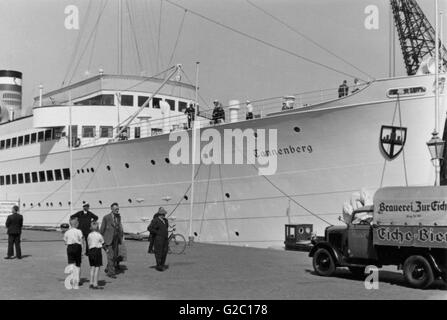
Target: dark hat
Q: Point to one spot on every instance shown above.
(86, 204)
(161, 210)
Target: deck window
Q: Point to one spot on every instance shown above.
(33, 137)
(34, 177)
(8, 179)
(27, 177)
(20, 178)
(27, 139)
(42, 176)
(106, 131)
(40, 136)
(50, 175)
(48, 134)
(57, 133)
(137, 132)
(14, 142)
(8, 143)
(127, 100)
(66, 174)
(88, 131)
(2, 180)
(2, 144)
(58, 174)
(14, 179)
(20, 141)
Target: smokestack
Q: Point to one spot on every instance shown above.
(10, 95)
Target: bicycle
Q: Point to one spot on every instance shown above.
(176, 242)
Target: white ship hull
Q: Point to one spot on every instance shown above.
(339, 154)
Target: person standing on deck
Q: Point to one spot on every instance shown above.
(343, 89)
(160, 228)
(14, 224)
(249, 114)
(85, 219)
(112, 231)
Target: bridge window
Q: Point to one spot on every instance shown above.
(14, 179)
(42, 176)
(100, 100)
(407, 92)
(142, 100)
(50, 175)
(34, 177)
(127, 100)
(48, 134)
(171, 104)
(8, 179)
(27, 139)
(20, 177)
(88, 131)
(27, 177)
(137, 132)
(8, 143)
(20, 141)
(182, 105)
(2, 144)
(156, 103)
(2, 180)
(13, 142)
(33, 137)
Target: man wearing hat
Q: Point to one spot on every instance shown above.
(249, 114)
(159, 228)
(85, 218)
(218, 112)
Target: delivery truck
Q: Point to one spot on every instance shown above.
(405, 227)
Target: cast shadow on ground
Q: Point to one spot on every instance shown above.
(390, 277)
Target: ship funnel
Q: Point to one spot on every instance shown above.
(10, 95)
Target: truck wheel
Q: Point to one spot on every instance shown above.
(357, 271)
(323, 263)
(418, 272)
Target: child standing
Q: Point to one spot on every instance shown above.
(73, 240)
(95, 243)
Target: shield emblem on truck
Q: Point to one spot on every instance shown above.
(392, 140)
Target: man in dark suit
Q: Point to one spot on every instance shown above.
(112, 231)
(14, 224)
(85, 219)
(159, 227)
(151, 235)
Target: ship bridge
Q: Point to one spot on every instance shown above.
(96, 106)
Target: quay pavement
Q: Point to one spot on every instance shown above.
(204, 271)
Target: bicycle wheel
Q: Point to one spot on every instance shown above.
(177, 244)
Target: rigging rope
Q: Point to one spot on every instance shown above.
(134, 36)
(76, 48)
(89, 39)
(263, 41)
(178, 37)
(308, 38)
(159, 63)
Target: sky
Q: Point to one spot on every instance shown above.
(36, 42)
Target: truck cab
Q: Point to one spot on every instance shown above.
(406, 227)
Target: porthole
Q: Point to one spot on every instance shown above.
(126, 165)
(31, 204)
(92, 170)
(69, 203)
(24, 205)
(79, 171)
(100, 202)
(237, 233)
(108, 168)
(38, 204)
(47, 204)
(167, 160)
(256, 134)
(130, 200)
(297, 129)
(185, 197)
(83, 201)
(82, 170)
(153, 162)
(51, 204)
(60, 204)
(227, 195)
(88, 170)
(195, 233)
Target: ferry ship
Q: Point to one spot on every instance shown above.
(328, 147)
